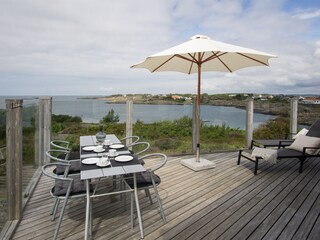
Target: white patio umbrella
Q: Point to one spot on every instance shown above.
(199, 54)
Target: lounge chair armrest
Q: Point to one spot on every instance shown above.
(306, 148)
(254, 144)
(281, 142)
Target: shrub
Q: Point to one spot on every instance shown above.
(273, 129)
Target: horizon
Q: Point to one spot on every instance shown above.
(101, 95)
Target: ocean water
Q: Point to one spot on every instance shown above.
(93, 110)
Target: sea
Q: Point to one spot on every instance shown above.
(92, 110)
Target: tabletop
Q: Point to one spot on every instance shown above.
(115, 168)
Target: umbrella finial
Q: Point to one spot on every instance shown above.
(199, 37)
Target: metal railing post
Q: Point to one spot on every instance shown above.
(129, 121)
(293, 116)
(44, 129)
(14, 157)
(194, 125)
(249, 122)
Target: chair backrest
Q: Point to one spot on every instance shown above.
(58, 155)
(49, 173)
(314, 130)
(139, 147)
(65, 185)
(60, 144)
(154, 161)
(132, 139)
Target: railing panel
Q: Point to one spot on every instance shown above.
(29, 136)
(3, 197)
(17, 143)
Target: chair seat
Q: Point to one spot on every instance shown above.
(74, 155)
(74, 168)
(143, 179)
(77, 188)
(289, 153)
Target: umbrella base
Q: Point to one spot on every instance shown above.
(197, 166)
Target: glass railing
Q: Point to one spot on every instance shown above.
(29, 163)
(3, 198)
(29, 166)
(168, 128)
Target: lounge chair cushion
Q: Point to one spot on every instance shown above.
(305, 141)
(143, 179)
(74, 168)
(303, 131)
(60, 188)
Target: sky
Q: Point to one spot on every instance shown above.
(80, 47)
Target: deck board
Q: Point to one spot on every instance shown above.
(227, 202)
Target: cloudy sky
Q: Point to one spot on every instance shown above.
(81, 47)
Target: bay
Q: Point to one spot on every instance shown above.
(93, 110)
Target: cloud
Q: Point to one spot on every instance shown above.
(87, 47)
(307, 14)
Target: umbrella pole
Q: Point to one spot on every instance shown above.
(198, 113)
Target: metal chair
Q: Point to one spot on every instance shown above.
(138, 148)
(148, 179)
(130, 139)
(64, 145)
(60, 144)
(65, 188)
(63, 166)
(62, 156)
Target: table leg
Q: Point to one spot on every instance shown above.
(137, 204)
(87, 211)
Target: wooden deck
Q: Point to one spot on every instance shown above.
(228, 202)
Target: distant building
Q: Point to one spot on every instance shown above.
(311, 100)
(176, 97)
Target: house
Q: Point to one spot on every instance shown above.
(311, 100)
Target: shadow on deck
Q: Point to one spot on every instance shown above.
(227, 202)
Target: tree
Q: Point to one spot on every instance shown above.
(111, 117)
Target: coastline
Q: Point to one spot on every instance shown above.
(307, 114)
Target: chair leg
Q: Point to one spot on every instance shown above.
(158, 200)
(114, 181)
(123, 196)
(256, 166)
(239, 156)
(91, 216)
(148, 195)
(60, 218)
(301, 165)
(131, 210)
(55, 208)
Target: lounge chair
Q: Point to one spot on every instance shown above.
(302, 148)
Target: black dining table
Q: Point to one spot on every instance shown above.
(115, 168)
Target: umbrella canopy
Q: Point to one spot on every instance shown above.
(200, 54)
(211, 55)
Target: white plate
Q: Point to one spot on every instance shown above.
(123, 158)
(90, 160)
(105, 165)
(116, 146)
(99, 151)
(89, 148)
